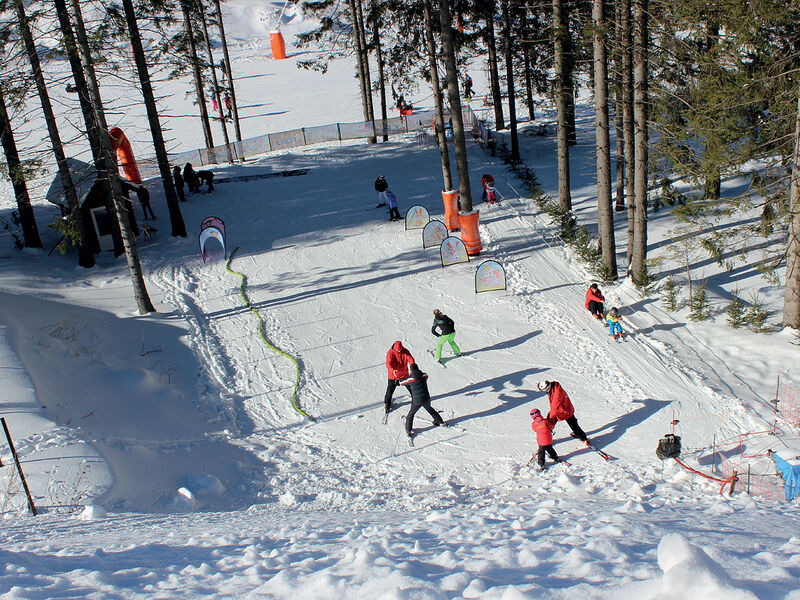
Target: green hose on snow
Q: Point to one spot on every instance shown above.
(245, 299)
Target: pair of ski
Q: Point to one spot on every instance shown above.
(411, 436)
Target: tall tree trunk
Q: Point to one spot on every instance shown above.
(365, 61)
(198, 76)
(605, 215)
(175, 216)
(30, 232)
(559, 33)
(359, 60)
(640, 50)
(572, 129)
(527, 64)
(791, 297)
(85, 255)
(228, 71)
(215, 82)
(444, 152)
(618, 122)
(80, 79)
(512, 97)
(462, 165)
(376, 40)
(494, 75)
(123, 218)
(627, 123)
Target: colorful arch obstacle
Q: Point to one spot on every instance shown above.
(125, 158)
(453, 251)
(212, 239)
(433, 234)
(417, 217)
(490, 276)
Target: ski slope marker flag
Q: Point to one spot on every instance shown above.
(453, 251)
(490, 276)
(212, 228)
(417, 217)
(434, 233)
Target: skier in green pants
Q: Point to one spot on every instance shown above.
(447, 333)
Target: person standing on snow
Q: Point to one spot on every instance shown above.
(594, 301)
(397, 361)
(177, 178)
(447, 333)
(561, 409)
(420, 397)
(544, 437)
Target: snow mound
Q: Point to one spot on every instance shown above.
(691, 573)
(92, 513)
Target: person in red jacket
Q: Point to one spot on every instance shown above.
(544, 437)
(594, 301)
(561, 409)
(398, 360)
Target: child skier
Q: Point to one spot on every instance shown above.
(594, 301)
(613, 318)
(544, 437)
(420, 397)
(487, 181)
(394, 213)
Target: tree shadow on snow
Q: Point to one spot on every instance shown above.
(614, 430)
(505, 344)
(509, 392)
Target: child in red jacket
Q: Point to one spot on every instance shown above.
(544, 437)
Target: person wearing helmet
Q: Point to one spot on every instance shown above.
(544, 437)
(417, 385)
(561, 408)
(613, 318)
(594, 301)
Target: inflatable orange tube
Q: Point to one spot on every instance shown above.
(277, 45)
(451, 209)
(125, 157)
(469, 232)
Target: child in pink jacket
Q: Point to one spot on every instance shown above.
(544, 437)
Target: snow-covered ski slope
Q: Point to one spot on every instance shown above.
(187, 411)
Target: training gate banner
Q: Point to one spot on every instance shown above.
(453, 251)
(490, 276)
(417, 217)
(434, 234)
(212, 239)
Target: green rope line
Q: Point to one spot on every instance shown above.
(243, 294)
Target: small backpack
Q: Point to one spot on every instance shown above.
(669, 446)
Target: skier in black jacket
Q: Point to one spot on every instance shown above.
(447, 333)
(420, 397)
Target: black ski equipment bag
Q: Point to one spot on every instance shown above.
(669, 446)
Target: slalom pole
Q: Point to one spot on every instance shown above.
(19, 466)
(264, 339)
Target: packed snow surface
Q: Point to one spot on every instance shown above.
(166, 458)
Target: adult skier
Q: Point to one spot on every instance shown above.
(417, 384)
(397, 361)
(447, 333)
(561, 408)
(594, 301)
(381, 185)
